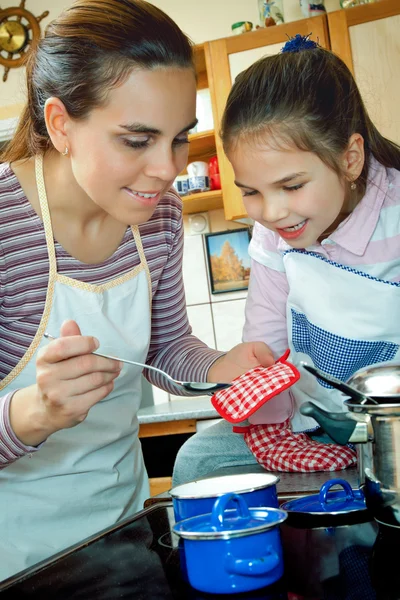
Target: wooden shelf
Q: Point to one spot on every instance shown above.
(200, 65)
(202, 202)
(202, 144)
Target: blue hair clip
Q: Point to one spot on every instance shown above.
(299, 43)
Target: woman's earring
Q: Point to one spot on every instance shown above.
(66, 151)
(353, 186)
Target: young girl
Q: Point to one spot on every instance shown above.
(323, 187)
(91, 232)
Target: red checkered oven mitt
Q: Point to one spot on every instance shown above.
(253, 389)
(277, 448)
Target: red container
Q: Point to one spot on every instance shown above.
(213, 168)
(215, 182)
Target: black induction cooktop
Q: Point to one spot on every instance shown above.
(138, 559)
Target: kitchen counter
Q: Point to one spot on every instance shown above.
(178, 410)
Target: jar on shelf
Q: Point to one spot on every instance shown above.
(270, 9)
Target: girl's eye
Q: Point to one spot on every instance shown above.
(252, 193)
(293, 188)
(137, 143)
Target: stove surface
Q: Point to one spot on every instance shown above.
(137, 559)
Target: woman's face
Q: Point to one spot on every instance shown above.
(289, 191)
(126, 154)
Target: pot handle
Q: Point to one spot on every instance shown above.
(252, 566)
(325, 487)
(217, 515)
(337, 425)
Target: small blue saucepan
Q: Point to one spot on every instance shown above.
(233, 551)
(198, 497)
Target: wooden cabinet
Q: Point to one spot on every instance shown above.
(367, 39)
(202, 146)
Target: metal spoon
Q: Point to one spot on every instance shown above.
(340, 385)
(195, 388)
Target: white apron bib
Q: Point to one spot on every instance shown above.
(340, 320)
(88, 477)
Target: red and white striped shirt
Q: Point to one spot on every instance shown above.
(24, 274)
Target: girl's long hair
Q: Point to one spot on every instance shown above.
(309, 99)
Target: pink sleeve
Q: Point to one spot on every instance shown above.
(266, 322)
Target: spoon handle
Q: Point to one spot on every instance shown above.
(340, 385)
(124, 360)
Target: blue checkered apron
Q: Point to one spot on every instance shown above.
(339, 319)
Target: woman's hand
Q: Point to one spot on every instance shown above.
(239, 360)
(69, 381)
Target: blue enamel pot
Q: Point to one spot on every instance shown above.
(233, 550)
(198, 497)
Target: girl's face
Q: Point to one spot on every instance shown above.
(289, 191)
(126, 154)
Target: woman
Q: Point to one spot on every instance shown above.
(92, 246)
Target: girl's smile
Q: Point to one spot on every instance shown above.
(293, 232)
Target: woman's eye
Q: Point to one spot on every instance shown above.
(293, 188)
(180, 141)
(136, 143)
(252, 193)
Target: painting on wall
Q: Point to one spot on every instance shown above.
(228, 260)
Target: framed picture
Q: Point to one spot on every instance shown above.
(228, 260)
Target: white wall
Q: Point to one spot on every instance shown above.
(201, 20)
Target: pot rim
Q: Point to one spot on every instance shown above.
(235, 533)
(384, 410)
(274, 479)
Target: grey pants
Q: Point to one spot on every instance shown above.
(211, 449)
(216, 447)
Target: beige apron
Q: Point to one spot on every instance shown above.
(88, 477)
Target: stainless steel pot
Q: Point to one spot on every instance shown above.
(375, 429)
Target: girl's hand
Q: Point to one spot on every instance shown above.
(69, 381)
(239, 360)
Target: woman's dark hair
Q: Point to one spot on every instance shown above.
(90, 48)
(309, 99)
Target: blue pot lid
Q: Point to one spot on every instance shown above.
(329, 502)
(224, 523)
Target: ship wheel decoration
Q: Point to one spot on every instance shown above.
(19, 33)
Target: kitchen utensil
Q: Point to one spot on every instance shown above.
(233, 550)
(191, 388)
(321, 532)
(339, 385)
(198, 497)
(380, 381)
(376, 430)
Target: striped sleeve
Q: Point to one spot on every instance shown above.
(173, 348)
(11, 449)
